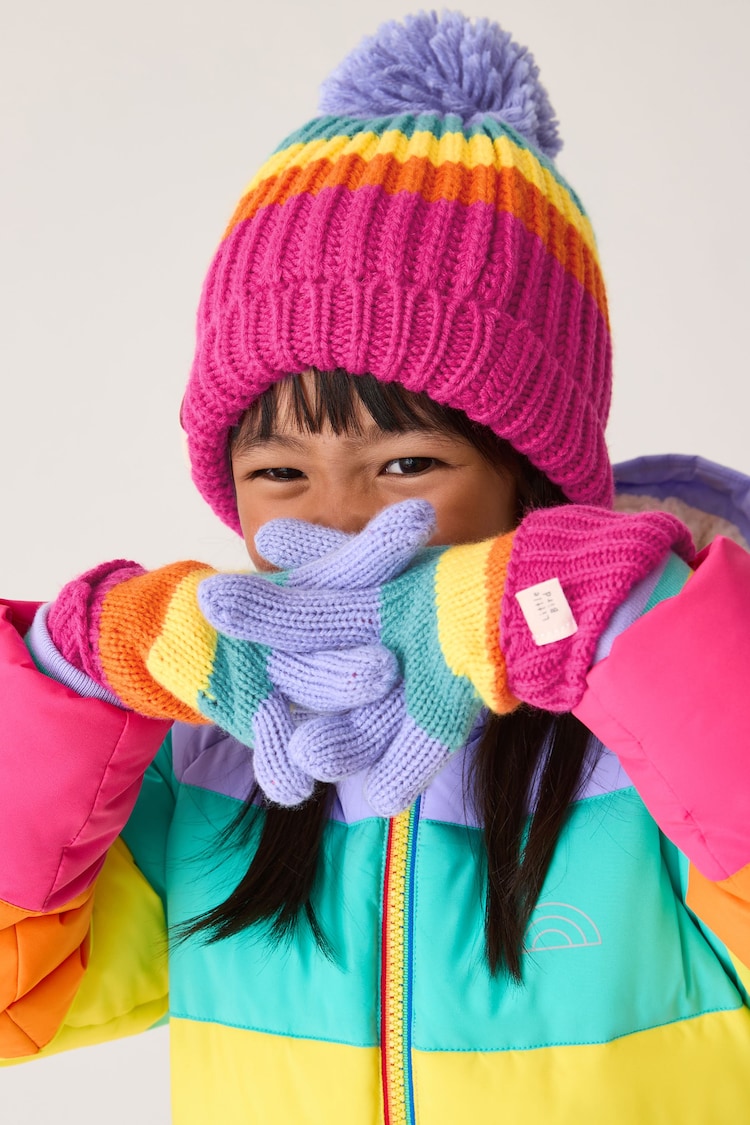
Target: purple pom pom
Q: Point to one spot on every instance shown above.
(444, 64)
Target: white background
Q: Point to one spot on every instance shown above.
(128, 132)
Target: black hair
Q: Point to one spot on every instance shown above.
(529, 763)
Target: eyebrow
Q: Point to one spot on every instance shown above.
(371, 434)
(253, 441)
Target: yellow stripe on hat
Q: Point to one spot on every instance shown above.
(478, 151)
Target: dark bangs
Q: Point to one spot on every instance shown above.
(318, 399)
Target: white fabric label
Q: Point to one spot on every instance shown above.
(547, 612)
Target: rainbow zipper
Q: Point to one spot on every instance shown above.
(396, 969)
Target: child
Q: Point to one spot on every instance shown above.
(447, 818)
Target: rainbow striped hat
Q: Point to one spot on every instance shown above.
(418, 230)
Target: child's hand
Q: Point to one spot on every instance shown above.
(141, 635)
(457, 629)
(333, 604)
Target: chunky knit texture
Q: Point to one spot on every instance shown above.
(143, 637)
(598, 557)
(74, 619)
(424, 240)
(452, 619)
(439, 617)
(121, 618)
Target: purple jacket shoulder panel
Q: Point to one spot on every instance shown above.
(209, 758)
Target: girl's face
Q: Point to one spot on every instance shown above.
(343, 480)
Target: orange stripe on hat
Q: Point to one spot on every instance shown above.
(506, 189)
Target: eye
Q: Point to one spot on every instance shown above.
(409, 466)
(282, 473)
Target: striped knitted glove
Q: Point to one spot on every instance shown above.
(142, 637)
(434, 617)
(458, 630)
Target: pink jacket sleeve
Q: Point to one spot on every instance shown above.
(671, 700)
(70, 771)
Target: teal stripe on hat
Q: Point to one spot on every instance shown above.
(324, 128)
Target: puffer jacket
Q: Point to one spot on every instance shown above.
(634, 1002)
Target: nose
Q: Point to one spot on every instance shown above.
(344, 508)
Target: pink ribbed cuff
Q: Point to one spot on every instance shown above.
(73, 619)
(598, 557)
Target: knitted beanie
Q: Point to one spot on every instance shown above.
(417, 230)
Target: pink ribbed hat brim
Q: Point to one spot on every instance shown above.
(327, 282)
